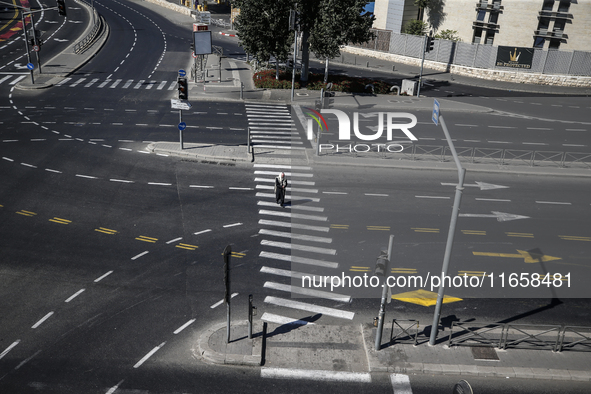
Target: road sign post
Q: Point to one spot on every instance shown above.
(381, 264)
(452, 225)
(227, 297)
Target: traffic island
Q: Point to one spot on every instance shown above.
(213, 348)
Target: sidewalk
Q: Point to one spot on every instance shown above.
(351, 349)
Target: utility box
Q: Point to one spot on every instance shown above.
(409, 87)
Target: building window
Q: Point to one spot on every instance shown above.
(564, 6)
(539, 42)
(477, 36)
(490, 37)
(554, 44)
(548, 5)
(480, 16)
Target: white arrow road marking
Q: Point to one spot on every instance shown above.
(60, 40)
(18, 65)
(500, 216)
(481, 185)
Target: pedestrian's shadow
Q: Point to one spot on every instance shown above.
(285, 328)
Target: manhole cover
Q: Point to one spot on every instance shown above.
(484, 353)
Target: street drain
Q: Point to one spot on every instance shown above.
(484, 353)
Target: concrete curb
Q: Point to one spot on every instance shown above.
(209, 355)
(228, 153)
(376, 365)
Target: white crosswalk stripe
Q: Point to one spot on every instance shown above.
(286, 243)
(84, 83)
(77, 82)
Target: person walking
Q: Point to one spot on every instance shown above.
(280, 187)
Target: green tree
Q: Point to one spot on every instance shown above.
(263, 28)
(328, 25)
(448, 35)
(415, 27)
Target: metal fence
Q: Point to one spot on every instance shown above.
(87, 41)
(575, 63)
(523, 336)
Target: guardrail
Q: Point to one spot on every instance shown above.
(85, 43)
(524, 336)
(221, 23)
(402, 331)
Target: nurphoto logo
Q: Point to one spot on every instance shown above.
(345, 129)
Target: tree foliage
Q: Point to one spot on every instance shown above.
(416, 27)
(338, 23)
(263, 28)
(448, 34)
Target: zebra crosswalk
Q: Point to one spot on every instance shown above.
(98, 83)
(295, 235)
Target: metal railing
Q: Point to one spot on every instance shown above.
(523, 336)
(402, 331)
(475, 155)
(87, 41)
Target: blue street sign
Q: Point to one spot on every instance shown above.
(182, 73)
(30, 66)
(435, 115)
(182, 126)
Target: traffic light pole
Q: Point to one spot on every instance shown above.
(422, 63)
(450, 234)
(382, 314)
(36, 43)
(27, 46)
(180, 130)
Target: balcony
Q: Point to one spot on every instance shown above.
(486, 6)
(554, 15)
(559, 34)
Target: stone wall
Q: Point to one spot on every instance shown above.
(171, 6)
(494, 75)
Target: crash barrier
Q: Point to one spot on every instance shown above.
(404, 331)
(221, 23)
(87, 41)
(523, 336)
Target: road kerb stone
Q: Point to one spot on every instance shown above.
(523, 372)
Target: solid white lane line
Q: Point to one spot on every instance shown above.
(232, 225)
(318, 375)
(278, 319)
(334, 193)
(553, 202)
(202, 232)
(304, 248)
(9, 348)
(174, 240)
(307, 291)
(446, 198)
(293, 225)
(300, 237)
(181, 328)
(103, 276)
(284, 167)
(222, 300)
(309, 307)
(293, 215)
(42, 320)
(299, 260)
(76, 294)
(400, 383)
(201, 187)
(147, 356)
(140, 255)
(493, 199)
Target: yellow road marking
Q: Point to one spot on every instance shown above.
(60, 221)
(522, 235)
(473, 232)
(379, 228)
(147, 239)
(12, 19)
(187, 246)
(358, 270)
(574, 238)
(340, 226)
(425, 230)
(527, 256)
(105, 230)
(26, 213)
(404, 270)
(471, 273)
(423, 297)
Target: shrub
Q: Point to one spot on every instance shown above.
(266, 79)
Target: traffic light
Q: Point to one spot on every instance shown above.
(61, 7)
(31, 41)
(183, 88)
(381, 265)
(430, 44)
